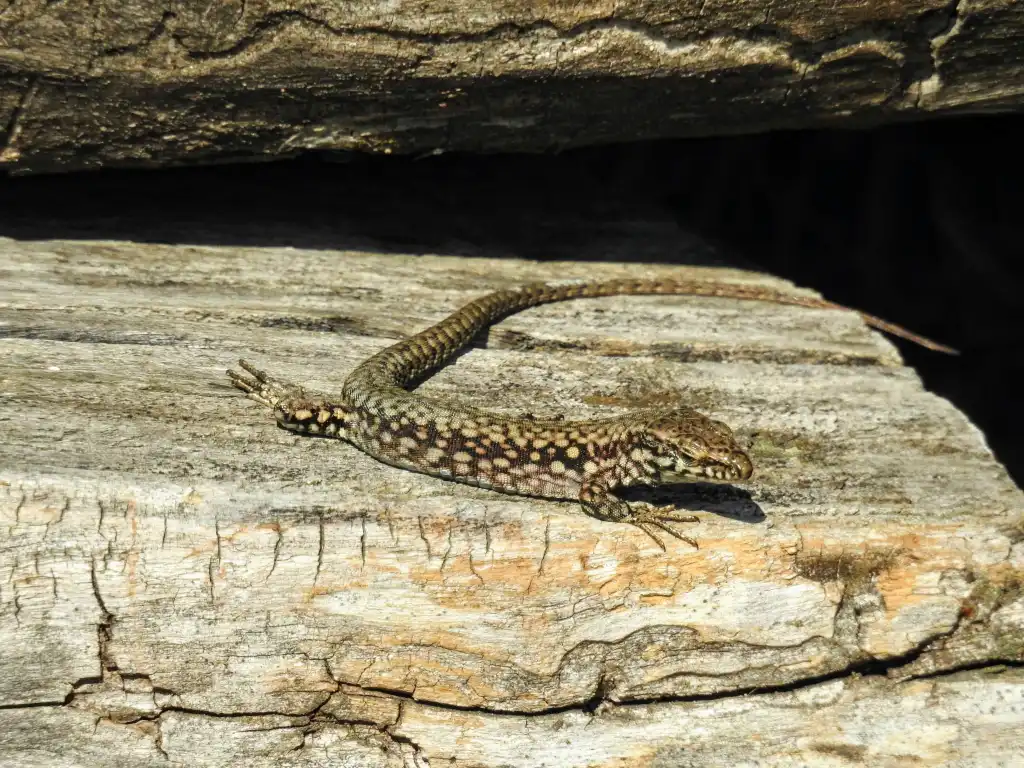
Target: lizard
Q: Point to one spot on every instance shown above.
(553, 458)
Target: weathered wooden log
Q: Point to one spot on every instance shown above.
(182, 581)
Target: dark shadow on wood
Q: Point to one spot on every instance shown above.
(722, 499)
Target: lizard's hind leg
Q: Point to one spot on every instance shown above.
(292, 407)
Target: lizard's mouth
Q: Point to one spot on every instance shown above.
(720, 472)
(735, 466)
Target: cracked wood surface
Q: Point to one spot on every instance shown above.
(88, 84)
(182, 581)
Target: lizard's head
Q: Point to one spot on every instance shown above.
(686, 443)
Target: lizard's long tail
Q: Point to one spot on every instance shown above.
(406, 361)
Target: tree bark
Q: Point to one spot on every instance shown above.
(88, 84)
(181, 581)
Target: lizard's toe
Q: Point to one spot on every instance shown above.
(646, 518)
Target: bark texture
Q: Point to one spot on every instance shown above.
(182, 582)
(85, 84)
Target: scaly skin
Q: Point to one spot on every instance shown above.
(581, 460)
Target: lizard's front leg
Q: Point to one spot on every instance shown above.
(598, 501)
(293, 409)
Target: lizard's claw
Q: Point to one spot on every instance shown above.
(649, 519)
(262, 387)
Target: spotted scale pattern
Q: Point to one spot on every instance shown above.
(581, 460)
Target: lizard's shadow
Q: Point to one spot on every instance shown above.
(719, 498)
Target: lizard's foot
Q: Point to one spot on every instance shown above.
(292, 407)
(650, 519)
(264, 388)
(597, 501)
